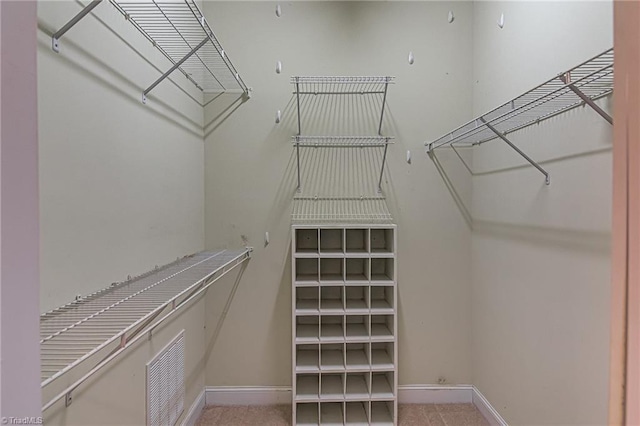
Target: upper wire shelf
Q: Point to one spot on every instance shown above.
(584, 83)
(336, 85)
(581, 85)
(180, 31)
(342, 141)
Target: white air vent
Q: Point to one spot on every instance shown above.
(165, 384)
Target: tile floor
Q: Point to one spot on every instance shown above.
(280, 415)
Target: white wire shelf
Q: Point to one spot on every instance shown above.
(340, 85)
(73, 333)
(350, 210)
(582, 84)
(342, 141)
(179, 30)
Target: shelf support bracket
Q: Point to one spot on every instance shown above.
(384, 159)
(547, 179)
(299, 133)
(384, 101)
(173, 68)
(55, 39)
(566, 79)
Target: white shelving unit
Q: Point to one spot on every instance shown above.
(344, 304)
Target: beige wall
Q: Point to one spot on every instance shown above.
(541, 254)
(121, 183)
(250, 173)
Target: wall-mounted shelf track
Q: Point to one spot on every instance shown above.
(179, 30)
(344, 302)
(581, 85)
(107, 322)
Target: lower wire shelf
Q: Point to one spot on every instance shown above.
(112, 318)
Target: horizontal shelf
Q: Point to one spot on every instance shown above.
(342, 141)
(176, 29)
(77, 333)
(340, 85)
(366, 210)
(593, 79)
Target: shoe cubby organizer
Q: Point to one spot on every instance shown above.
(345, 327)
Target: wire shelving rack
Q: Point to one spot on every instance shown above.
(179, 30)
(113, 318)
(581, 85)
(329, 208)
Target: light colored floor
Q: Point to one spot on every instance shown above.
(280, 415)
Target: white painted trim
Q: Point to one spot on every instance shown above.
(407, 394)
(491, 414)
(247, 395)
(435, 394)
(196, 409)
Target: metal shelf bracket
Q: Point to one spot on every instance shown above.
(547, 179)
(55, 39)
(566, 79)
(172, 69)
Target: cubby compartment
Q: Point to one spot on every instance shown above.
(332, 328)
(307, 300)
(306, 272)
(332, 299)
(331, 241)
(307, 358)
(382, 327)
(357, 413)
(306, 240)
(357, 269)
(307, 387)
(357, 386)
(381, 240)
(382, 357)
(382, 299)
(332, 357)
(382, 269)
(307, 414)
(332, 386)
(382, 413)
(331, 413)
(357, 240)
(307, 329)
(357, 327)
(357, 356)
(332, 270)
(382, 385)
(356, 299)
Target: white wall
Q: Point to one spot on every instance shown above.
(121, 183)
(250, 172)
(541, 254)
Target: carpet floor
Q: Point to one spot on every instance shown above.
(280, 415)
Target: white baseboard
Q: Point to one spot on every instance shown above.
(247, 395)
(407, 394)
(487, 410)
(435, 394)
(196, 409)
